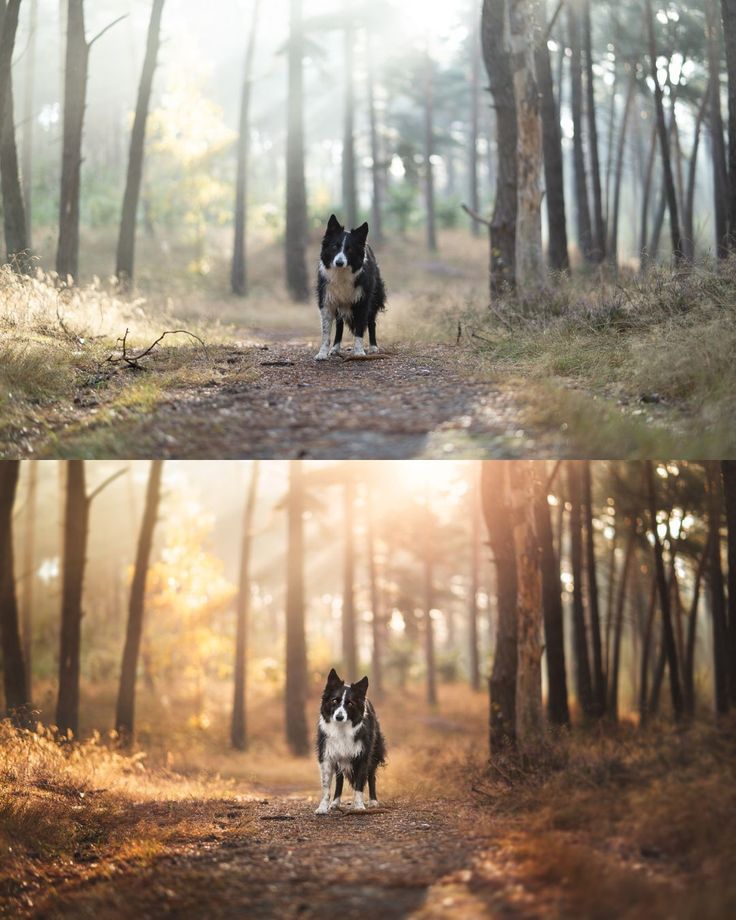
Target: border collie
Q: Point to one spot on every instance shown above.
(349, 288)
(349, 742)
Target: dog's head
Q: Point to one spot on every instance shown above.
(343, 703)
(343, 248)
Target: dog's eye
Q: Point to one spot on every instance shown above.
(335, 700)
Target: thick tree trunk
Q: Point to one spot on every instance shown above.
(349, 644)
(428, 151)
(687, 220)
(349, 193)
(715, 121)
(668, 636)
(376, 611)
(664, 140)
(523, 34)
(692, 623)
(728, 17)
(553, 165)
(76, 525)
(645, 198)
(502, 686)
(585, 232)
(728, 473)
(429, 642)
(296, 648)
(646, 650)
(297, 225)
(715, 583)
(619, 623)
(125, 261)
(583, 681)
(599, 678)
(475, 65)
(15, 684)
(474, 652)
(29, 118)
(529, 711)
(557, 708)
(14, 214)
(599, 236)
(377, 175)
(125, 712)
(613, 217)
(238, 724)
(503, 221)
(29, 566)
(9, 13)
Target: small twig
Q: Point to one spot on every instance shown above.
(552, 476)
(476, 216)
(477, 335)
(379, 356)
(106, 29)
(459, 332)
(134, 360)
(103, 485)
(551, 23)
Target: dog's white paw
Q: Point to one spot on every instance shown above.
(321, 355)
(322, 808)
(358, 350)
(373, 803)
(335, 803)
(372, 349)
(358, 806)
(336, 349)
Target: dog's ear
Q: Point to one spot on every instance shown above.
(361, 232)
(332, 678)
(362, 686)
(334, 225)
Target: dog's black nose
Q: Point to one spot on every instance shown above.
(339, 717)
(340, 260)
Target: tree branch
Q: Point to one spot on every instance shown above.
(106, 29)
(103, 485)
(551, 23)
(476, 216)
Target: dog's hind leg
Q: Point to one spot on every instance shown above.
(338, 790)
(372, 336)
(372, 797)
(339, 326)
(326, 770)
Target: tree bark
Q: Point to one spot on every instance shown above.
(599, 678)
(377, 175)
(76, 525)
(715, 121)
(349, 193)
(728, 473)
(428, 151)
(475, 65)
(29, 118)
(296, 649)
(646, 655)
(502, 686)
(689, 682)
(297, 223)
(599, 243)
(523, 34)
(583, 681)
(688, 223)
(728, 17)
(429, 650)
(377, 613)
(529, 712)
(503, 222)
(15, 683)
(29, 555)
(349, 649)
(664, 140)
(557, 708)
(645, 197)
(125, 712)
(474, 656)
(125, 262)
(585, 232)
(238, 723)
(717, 599)
(9, 13)
(613, 218)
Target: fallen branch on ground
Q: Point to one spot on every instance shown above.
(133, 360)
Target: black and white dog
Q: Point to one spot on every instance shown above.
(349, 742)
(349, 288)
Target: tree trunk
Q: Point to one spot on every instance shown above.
(349, 194)
(717, 599)
(646, 655)
(429, 654)
(728, 16)
(553, 164)
(523, 34)
(689, 682)
(475, 65)
(126, 239)
(583, 682)
(296, 649)
(29, 574)
(125, 713)
(29, 118)
(349, 650)
(645, 197)
(376, 157)
(599, 678)
(428, 151)
(728, 473)
(557, 708)
(377, 613)
(688, 222)
(668, 636)
(599, 244)
(503, 222)
(474, 656)
(297, 224)
(715, 121)
(238, 732)
(585, 233)
(619, 623)
(76, 525)
(502, 686)
(613, 218)
(9, 12)
(17, 701)
(529, 712)
(14, 214)
(664, 140)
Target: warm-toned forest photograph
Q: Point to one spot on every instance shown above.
(344, 688)
(470, 229)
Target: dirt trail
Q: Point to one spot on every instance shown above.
(403, 859)
(412, 401)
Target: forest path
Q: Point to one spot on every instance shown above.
(420, 859)
(269, 398)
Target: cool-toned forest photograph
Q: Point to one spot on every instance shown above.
(341, 688)
(367, 230)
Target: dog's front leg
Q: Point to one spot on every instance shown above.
(324, 348)
(326, 770)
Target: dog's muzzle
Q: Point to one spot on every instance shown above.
(340, 261)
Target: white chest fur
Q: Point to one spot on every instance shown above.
(341, 291)
(340, 744)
